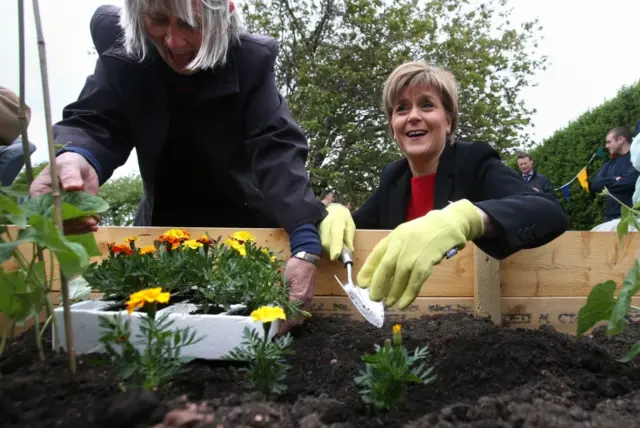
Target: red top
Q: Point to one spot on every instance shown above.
(422, 193)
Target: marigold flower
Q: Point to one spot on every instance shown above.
(240, 248)
(397, 334)
(122, 248)
(131, 239)
(149, 295)
(266, 314)
(243, 236)
(174, 236)
(192, 243)
(204, 239)
(147, 249)
(267, 253)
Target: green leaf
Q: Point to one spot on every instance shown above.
(73, 258)
(630, 287)
(633, 352)
(73, 205)
(88, 242)
(599, 306)
(14, 213)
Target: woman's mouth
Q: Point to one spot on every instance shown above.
(181, 60)
(416, 134)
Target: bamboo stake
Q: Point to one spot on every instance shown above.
(25, 141)
(55, 185)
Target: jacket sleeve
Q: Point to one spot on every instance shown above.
(627, 182)
(602, 179)
(278, 149)
(523, 217)
(95, 125)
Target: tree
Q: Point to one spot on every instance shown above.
(123, 195)
(336, 54)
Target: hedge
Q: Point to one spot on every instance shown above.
(561, 156)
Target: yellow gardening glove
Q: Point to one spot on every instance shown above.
(337, 230)
(400, 263)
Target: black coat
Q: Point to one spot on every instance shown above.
(243, 163)
(622, 189)
(524, 218)
(540, 182)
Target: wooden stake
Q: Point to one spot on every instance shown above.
(486, 286)
(55, 185)
(21, 112)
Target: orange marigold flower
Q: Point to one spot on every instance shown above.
(204, 239)
(176, 234)
(122, 248)
(147, 249)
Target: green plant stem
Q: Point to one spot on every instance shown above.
(36, 329)
(45, 325)
(5, 334)
(635, 308)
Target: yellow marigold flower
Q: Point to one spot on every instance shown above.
(147, 249)
(243, 236)
(397, 334)
(268, 314)
(192, 243)
(149, 295)
(266, 252)
(240, 248)
(131, 239)
(177, 234)
(205, 239)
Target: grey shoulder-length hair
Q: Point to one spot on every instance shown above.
(220, 28)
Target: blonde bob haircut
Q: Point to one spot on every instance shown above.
(220, 28)
(420, 73)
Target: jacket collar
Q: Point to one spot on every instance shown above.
(400, 193)
(223, 80)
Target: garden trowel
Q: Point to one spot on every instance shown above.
(370, 310)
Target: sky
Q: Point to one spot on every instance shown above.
(592, 48)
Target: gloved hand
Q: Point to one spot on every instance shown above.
(399, 265)
(337, 230)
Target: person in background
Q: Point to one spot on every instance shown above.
(634, 152)
(11, 150)
(537, 181)
(618, 175)
(195, 94)
(327, 197)
(442, 194)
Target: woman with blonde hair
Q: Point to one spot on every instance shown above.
(442, 194)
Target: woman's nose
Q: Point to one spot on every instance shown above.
(174, 38)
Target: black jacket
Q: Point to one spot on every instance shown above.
(243, 138)
(524, 218)
(622, 189)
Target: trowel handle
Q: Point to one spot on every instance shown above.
(346, 257)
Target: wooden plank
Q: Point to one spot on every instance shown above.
(486, 288)
(569, 266)
(529, 312)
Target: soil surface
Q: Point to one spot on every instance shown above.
(486, 377)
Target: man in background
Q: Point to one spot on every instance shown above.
(539, 182)
(618, 175)
(11, 151)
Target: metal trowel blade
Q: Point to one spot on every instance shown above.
(372, 311)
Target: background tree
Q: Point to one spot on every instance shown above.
(336, 54)
(123, 195)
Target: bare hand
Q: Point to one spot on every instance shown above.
(301, 278)
(75, 174)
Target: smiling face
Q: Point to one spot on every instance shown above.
(177, 41)
(420, 124)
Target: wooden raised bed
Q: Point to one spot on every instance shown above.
(546, 285)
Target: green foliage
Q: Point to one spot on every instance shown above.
(561, 156)
(123, 195)
(24, 291)
(384, 379)
(159, 361)
(267, 368)
(335, 56)
(601, 303)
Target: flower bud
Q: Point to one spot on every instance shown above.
(397, 335)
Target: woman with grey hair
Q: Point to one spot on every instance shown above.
(184, 84)
(444, 193)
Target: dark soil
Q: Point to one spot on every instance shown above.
(487, 377)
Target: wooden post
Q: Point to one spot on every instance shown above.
(486, 286)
